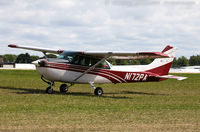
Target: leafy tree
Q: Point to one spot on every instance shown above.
(9, 58)
(34, 58)
(134, 62)
(145, 61)
(131, 62)
(24, 58)
(113, 62)
(51, 56)
(198, 58)
(1, 59)
(193, 60)
(175, 62)
(122, 62)
(182, 61)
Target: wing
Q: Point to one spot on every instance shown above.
(44, 50)
(109, 55)
(127, 55)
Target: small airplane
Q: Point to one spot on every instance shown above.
(89, 67)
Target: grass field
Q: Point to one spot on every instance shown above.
(165, 106)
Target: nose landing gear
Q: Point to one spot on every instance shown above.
(49, 89)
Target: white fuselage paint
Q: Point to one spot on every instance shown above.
(69, 76)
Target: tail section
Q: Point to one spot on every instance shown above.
(161, 66)
(170, 51)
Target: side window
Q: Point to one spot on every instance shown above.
(103, 65)
(93, 61)
(76, 60)
(88, 61)
(82, 60)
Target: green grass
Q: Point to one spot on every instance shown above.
(165, 106)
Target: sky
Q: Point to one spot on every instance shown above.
(100, 25)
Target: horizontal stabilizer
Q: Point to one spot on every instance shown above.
(172, 77)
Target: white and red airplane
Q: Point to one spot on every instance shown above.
(78, 67)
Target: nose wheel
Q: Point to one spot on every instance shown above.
(49, 89)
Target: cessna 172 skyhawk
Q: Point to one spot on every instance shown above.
(92, 67)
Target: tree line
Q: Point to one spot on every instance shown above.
(178, 62)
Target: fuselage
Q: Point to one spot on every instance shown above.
(72, 67)
(63, 72)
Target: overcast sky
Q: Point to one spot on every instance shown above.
(101, 25)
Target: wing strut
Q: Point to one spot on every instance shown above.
(91, 68)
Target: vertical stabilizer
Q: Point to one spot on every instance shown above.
(170, 51)
(161, 66)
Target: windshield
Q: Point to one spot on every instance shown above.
(69, 56)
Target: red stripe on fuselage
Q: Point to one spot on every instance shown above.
(113, 76)
(96, 71)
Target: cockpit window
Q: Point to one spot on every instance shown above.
(77, 59)
(69, 56)
(84, 60)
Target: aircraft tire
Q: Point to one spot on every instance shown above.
(63, 88)
(98, 91)
(49, 90)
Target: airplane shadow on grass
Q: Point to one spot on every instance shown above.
(39, 91)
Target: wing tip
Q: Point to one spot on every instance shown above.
(12, 46)
(60, 51)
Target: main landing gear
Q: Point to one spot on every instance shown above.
(97, 91)
(64, 87)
